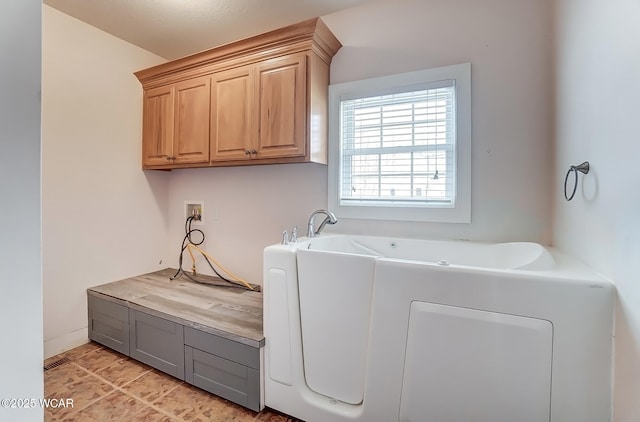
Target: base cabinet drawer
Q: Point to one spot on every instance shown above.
(223, 367)
(157, 342)
(109, 324)
(230, 380)
(225, 348)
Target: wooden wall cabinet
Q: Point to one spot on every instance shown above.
(157, 126)
(232, 114)
(261, 100)
(281, 105)
(258, 111)
(175, 126)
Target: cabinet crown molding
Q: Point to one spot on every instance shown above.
(311, 34)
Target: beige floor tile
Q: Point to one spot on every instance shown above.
(152, 386)
(75, 353)
(270, 415)
(220, 410)
(79, 351)
(71, 382)
(187, 403)
(144, 394)
(117, 406)
(69, 417)
(53, 415)
(149, 414)
(99, 359)
(61, 379)
(122, 372)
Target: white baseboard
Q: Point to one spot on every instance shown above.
(68, 341)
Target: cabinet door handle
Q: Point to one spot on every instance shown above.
(254, 152)
(247, 152)
(170, 158)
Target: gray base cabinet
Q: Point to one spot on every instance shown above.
(216, 364)
(157, 342)
(223, 367)
(109, 324)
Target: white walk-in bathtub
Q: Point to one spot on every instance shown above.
(378, 330)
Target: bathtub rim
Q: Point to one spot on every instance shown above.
(565, 267)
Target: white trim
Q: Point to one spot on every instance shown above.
(66, 342)
(461, 213)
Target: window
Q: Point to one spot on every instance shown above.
(400, 146)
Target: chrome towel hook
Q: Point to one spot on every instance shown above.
(582, 168)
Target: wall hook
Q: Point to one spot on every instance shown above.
(582, 168)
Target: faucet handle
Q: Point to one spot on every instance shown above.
(294, 235)
(285, 238)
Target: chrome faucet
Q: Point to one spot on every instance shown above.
(330, 218)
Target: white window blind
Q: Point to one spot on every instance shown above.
(400, 146)
(399, 149)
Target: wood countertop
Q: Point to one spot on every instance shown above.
(226, 311)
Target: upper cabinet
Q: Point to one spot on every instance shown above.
(232, 114)
(191, 114)
(175, 129)
(261, 100)
(157, 126)
(281, 106)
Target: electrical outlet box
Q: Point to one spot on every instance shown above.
(194, 209)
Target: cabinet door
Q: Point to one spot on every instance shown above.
(282, 107)
(223, 367)
(157, 342)
(232, 128)
(225, 378)
(109, 324)
(191, 142)
(157, 126)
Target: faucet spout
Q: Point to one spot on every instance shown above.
(330, 218)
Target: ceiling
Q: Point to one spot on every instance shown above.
(176, 28)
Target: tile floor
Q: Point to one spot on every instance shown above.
(108, 386)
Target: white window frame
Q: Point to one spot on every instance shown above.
(459, 211)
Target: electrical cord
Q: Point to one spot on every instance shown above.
(188, 244)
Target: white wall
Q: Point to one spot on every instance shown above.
(254, 205)
(509, 45)
(598, 119)
(103, 218)
(20, 257)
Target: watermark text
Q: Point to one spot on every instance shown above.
(30, 403)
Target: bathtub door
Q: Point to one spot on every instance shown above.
(335, 305)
